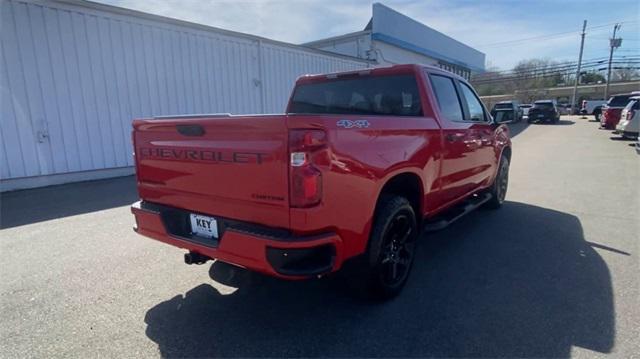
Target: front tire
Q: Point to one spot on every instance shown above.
(383, 270)
(500, 184)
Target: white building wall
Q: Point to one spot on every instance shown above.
(387, 55)
(73, 77)
(356, 45)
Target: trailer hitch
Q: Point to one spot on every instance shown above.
(195, 258)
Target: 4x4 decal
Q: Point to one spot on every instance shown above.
(352, 124)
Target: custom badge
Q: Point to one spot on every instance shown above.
(353, 124)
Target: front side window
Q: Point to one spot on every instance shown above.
(395, 95)
(476, 111)
(447, 96)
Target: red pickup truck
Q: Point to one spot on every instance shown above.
(613, 109)
(357, 167)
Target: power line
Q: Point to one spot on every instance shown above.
(558, 66)
(547, 36)
(568, 63)
(549, 74)
(592, 66)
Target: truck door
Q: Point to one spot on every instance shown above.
(461, 142)
(480, 135)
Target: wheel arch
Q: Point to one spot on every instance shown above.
(406, 184)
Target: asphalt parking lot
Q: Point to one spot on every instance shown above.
(554, 273)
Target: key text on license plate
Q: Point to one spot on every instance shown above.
(204, 226)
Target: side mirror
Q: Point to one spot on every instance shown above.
(503, 117)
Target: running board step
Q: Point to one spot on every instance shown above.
(452, 215)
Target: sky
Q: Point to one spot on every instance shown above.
(502, 29)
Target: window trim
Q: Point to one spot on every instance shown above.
(467, 113)
(455, 88)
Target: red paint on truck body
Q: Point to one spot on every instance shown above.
(239, 170)
(610, 117)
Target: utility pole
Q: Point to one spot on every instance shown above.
(613, 43)
(575, 85)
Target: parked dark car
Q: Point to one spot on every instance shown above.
(544, 111)
(507, 109)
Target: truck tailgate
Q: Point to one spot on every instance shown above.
(228, 166)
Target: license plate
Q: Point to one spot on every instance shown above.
(540, 116)
(204, 226)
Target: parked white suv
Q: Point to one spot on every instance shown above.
(629, 125)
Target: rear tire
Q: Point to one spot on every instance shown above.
(500, 184)
(383, 270)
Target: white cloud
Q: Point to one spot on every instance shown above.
(475, 24)
(290, 21)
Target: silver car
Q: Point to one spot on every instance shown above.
(525, 110)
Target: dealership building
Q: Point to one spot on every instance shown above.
(75, 73)
(393, 38)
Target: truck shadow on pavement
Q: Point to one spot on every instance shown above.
(517, 128)
(518, 282)
(41, 204)
(559, 123)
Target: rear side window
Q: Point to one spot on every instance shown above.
(368, 95)
(618, 101)
(476, 111)
(633, 105)
(447, 97)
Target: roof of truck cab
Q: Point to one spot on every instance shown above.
(387, 70)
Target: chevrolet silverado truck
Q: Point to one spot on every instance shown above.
(359, 165)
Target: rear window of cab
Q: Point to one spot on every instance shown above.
(618, 101)
(543, 105)
(394, 95)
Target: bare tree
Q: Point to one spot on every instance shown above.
(625, 72)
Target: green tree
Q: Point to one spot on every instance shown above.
(591, 77)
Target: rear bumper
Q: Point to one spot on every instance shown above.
(628, 128)
(545, 118)
(609, 122)
(608, 125)
(270, 251)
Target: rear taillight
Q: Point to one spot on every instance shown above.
(630, 114)
(307, 150)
